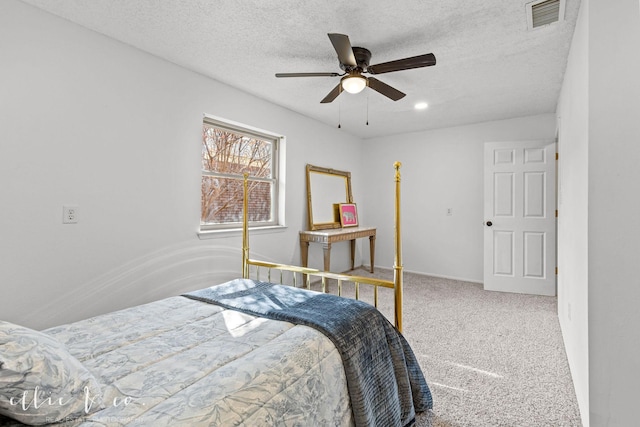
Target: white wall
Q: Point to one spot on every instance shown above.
(599, 240)
(573, 144)
(614, 209)
(90, 121)
(441, 169)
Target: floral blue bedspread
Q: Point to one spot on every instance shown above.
(181, 362)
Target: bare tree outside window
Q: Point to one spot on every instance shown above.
(226, 156)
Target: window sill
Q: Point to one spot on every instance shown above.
(228, 232)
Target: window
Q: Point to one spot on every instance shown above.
(228, 151)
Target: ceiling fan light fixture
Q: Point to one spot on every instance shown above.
(354, 83)
(354, 61)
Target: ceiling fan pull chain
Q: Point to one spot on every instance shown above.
(367, 108)
(339, 111)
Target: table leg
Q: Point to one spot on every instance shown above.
(353, 253)
(372, 249)
(304, 258)
(326, 249)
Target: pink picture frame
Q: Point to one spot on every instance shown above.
(348, 215)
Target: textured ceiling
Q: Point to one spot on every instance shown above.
(489, 65)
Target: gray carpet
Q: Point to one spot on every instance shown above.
(490, 358)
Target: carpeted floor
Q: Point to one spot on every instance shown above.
(490, 358)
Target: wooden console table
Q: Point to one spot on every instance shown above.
(327, 237)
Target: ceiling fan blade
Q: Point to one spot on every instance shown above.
(403, 64)
(307, 74)
(333, 94)
(343, 48)
(385, 89)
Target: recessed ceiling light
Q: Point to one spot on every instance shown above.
(421, 106)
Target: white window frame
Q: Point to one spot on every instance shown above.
(278, 162)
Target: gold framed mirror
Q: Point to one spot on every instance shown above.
(326, 189)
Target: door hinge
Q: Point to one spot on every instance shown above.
(556, 213)
(557, 156)
(556, 271)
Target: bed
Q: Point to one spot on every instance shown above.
(247, 352)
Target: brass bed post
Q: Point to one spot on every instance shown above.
(397, 268)
(245, 227)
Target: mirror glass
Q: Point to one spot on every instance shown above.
(326, 188)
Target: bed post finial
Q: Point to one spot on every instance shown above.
(245, 226)
(397, 268)
(397, 166)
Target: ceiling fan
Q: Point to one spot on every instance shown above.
(354, 61)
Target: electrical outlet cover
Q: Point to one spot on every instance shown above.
(69, 214)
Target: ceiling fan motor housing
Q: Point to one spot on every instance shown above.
(363, 56)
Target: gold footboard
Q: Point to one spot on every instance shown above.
(302, 276)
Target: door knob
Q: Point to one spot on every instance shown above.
(489, 223)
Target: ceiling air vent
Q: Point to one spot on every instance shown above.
(544, 12)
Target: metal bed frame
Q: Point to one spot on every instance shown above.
(308, 273)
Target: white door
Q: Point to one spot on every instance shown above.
(519, 217)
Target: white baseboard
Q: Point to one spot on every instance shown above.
(422, 273)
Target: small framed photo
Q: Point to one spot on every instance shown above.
(348, 215)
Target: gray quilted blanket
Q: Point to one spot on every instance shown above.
(385, 382)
